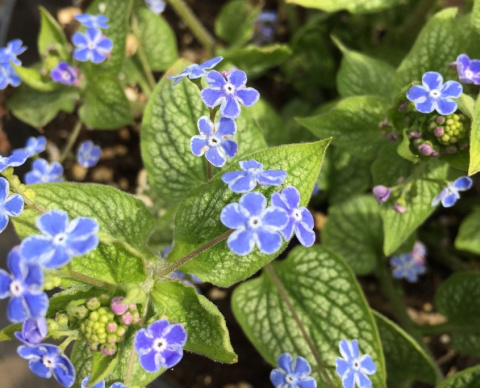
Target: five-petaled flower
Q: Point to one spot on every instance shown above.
(47, 360)
(88, 154)
(61, 240)
(9, 54)
(64, 74)
(252, 174)
(17, 158)
(215, 141)
(10, 206)
(265, 27)
(450, 193)
(8, 76)
(433, 94)
(468, 69)
(228, 92)
(24, 288)
(34, 330)
(91, 46)
(255, 224)
(292, 374)
(92, 21)
(352, 368)
(195, 71)
(160, 345)
(156, 6)
(42, 172)
(405, 266)
(300, 219)
(35, 145)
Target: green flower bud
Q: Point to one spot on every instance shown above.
(93, 304)
(62, 319)
(81, 312)
(111, 338)
(109, 349)
(93, 346)
(121, 330)
(94, 315)
(104, 300)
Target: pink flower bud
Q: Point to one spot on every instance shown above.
(414, 135)
(425, 149)
(439, 131)
(440, 120)
(117, 307)
(381, 193)
(112, 327)
(399, 208)
(127, 319)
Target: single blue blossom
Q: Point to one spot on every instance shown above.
(43, 172)
(17, 158)
(10, 206)
(228, 92)
(92, 21)
(160, 345)
(33, 331)
(252, 174)
(8, 76)
(35, 145)
(196, 71)
(61, 239)
(255, 224)
(450, 194)
(85, 381)
(47, 360)
(88, 154)
(9, 54)
(215, 141)
(433, 94)
(406, 267)
(156, 6)
(300, 220)
(468, 69)
(64, 74)
(91, 46)
(292, 374)
(352, 368)
(265, 27)
(24, 288)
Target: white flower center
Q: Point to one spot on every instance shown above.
(289, 379)
(435, 93)
(468, 74)
(229, 88)
(356, 365)
(59, 238)
(48, 362)
(254, 222)
(159, 344)
(91, 45)
(297, 215)
(16, 288)
(213, 141)
(66, 75)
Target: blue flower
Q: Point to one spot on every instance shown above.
(46, 360)
(24, 288)
(292, 374)
(42, 172)
(300, 219)
(61, 239)
(10, 206)
(85, 381)
(255, 224)
(92, 21)
(160, 345)
(406, 267)
(265, 27)
(91, 46)
(450, 194)
(88, 154)
(215, 141)
(352, 368)
(64, 74)
(468, 69)
(229, 93)
(33, 331)
(433, 94)
(9, 54)
(156, 6)
(35, 145)
(8, 76)
(196, 71)
(17, 158)
(252, 174)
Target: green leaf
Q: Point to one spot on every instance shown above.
(205, 325)
(468, 237)
(198, 219)
(7, 333)
(438, 44)
(474, 165)
(235, 23)
(353, 124)
(327, 300)
(81, 358)
(269, 122)
(359, 219)
(466, 105)
(389, 167)
(406, 361)
(51, 35)
(102, 367)
(357, 6)
(467, 378)
(398, 226)
(169, 123)
(125, 223)
(37, 108)
(157, 38)
(255, 60)
(33, 78)
(361, 75)
(105, 106)
(60, 300)
(118, 13)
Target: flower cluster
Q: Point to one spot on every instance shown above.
(92, 45)
(8, 56)
(409, 265)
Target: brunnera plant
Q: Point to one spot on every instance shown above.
(233, 183)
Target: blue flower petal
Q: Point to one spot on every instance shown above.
(81, 227)
(449, 200)
(348, 380)
(97, 56)
(305, 235)
(271, 177)
(81, 54)
(150, 362)
(446, 106)
(205, 126)
(307, 217)
(308, 382)
(230, 147)
(232, 216)
(13, 206)
(36, 249)
(212, 97)
(237, 78)
(3, 222)
(275, 217)
(211, 63)
(250, 164)
(254, 203)
(463, 183)
(277, 377)
(216, 156)
(417, 93)
(58, 259)
(157, 328)
(79, 39)
(226, 127)
(231, 176)
(85, 381)
(451, 89)
(241, 242)
(285, 362)
(37, 367)
(64, 371)
(36, 305)
(4, 284)
(104, 45)
(427, 106)
(16, 310)
(302, 366)
(175, 334)
(244, 184)
(230, 107)
(247, 96)
(198, 145)
(52, 223)
(143, 342)
(342, 366)
(81, 247)
(215, 79)
(363, 381)
(171, 357)
(439, 197)
(345, 349)
(268, 242)
(432, 80)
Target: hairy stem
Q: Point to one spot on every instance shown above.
(143, 57)
(71, 140)
(89, 280)
(306, 337)
(209, 171)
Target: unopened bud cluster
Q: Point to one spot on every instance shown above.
(450, 131)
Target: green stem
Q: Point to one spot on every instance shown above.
(306, 337)
(71, 140)
(193, 23)
(67, 342)
(143, 57)
(16, 187)
(89, 280)
(209, 171)
(192, 254)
